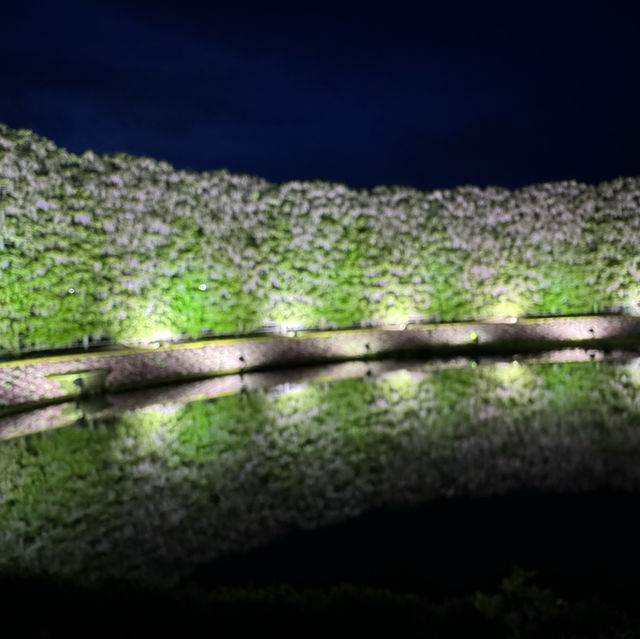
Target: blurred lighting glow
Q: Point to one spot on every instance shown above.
(505, 312)
(287, 387)
(149, 340)
(284, 328)
(506, 374)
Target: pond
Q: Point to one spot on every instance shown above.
(418, 475)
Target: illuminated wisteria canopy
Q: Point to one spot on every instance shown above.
(128, 247)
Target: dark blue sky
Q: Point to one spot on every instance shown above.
(452, 93)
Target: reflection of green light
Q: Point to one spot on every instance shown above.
(507, 374)
(292, 399)
(473, 336)
(633, 371)
(397, 385)
(303, 450)
(149, 432)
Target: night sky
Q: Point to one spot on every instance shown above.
(453, 93)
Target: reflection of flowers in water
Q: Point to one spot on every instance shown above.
(165, 408)
(37, 420)
(489, 412)
(170, 488)
(286, 387)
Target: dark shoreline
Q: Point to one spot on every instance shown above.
(583, 543)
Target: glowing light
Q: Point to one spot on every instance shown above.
(72, 291)
(159, 336)
(506, 374)
(149, 340)
(396, 385)
(287, 387)
(203, 287)
(473, 336)
(164, 408)
(505, 312)
(633, 370)
(402, 326)
(394, 313)
(285, 328)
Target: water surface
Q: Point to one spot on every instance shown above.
(423, 474)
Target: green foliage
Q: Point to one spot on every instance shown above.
(306, 253)
(520, 606)
(564, 291)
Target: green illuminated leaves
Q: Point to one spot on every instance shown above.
(129, 232)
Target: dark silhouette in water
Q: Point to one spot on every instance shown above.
(450, 546)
